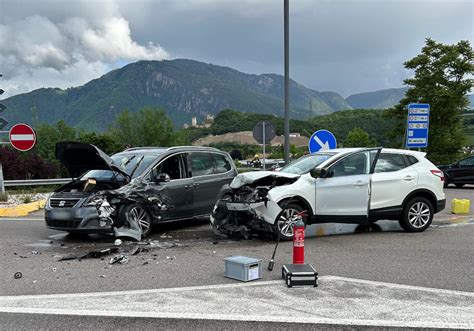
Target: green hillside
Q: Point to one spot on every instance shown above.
(185, 88)
(381, 99)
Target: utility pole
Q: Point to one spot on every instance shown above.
(287, 80)
(3, 123)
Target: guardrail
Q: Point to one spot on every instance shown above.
(37, 182)
(61, 181)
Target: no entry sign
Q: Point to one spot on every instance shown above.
(22, 137)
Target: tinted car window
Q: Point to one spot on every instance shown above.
(203, 164)
(389, 162)
(172, 167)
(469, 162)
(355, 164)
(222, 164)
(411, 159)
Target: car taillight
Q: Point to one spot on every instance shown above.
(438, 173)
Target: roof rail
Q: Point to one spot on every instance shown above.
(192, 147)
(138, 148)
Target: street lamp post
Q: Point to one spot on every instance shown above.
(287, 81)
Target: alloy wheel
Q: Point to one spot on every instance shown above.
(419, 214)
(286, 222)
(140, 216)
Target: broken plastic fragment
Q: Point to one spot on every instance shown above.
(122, 259)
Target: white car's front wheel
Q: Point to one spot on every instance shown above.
(284, 224)
(417, 215)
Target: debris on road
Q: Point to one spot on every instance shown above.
(17, 275)
(122, 259)
(118, 242)
(90, 255)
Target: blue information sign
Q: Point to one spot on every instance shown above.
(417, 125)
(321, 140)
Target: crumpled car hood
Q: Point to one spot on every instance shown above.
(79, 157)
(263, 178)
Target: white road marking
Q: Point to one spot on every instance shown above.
(18, 137)
(338, 301)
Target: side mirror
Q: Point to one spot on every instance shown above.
(163, 178)
(157, 177)
(318, 172)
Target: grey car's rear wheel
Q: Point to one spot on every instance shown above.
(284, 224)
(417, 215)
(137, 213)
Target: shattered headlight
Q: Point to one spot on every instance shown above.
(94, 201)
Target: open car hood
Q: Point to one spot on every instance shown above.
(263, 178)
(79, 158)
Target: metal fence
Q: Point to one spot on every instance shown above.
(61, 181)
(36, 182)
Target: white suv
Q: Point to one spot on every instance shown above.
(349, 185)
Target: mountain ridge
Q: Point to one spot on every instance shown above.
(184, 88)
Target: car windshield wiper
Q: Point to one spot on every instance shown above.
(136, 166)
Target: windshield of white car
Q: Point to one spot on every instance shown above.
(304, 164)
(126, 161)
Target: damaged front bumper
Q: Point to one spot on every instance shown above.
(242, 219)
(84, 220)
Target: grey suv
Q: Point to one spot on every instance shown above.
(148, 185)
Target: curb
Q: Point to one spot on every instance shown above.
(23, 209)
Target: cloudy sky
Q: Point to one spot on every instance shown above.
(347, 46)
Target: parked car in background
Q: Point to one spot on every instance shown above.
(459, 173)
(143, 186)
(348, 185)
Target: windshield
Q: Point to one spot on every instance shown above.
(304, 164)
(126, 161)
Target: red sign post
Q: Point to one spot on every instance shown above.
(22, 137)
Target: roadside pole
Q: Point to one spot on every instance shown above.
(2, 182)
(263, 144)
(287, 80)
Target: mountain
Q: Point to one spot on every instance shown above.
(381, 99)
(185, 88)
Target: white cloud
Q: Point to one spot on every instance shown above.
(64, 51)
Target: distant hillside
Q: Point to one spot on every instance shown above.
(381, 99)
(185, 88)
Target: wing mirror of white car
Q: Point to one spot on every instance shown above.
(318, 173)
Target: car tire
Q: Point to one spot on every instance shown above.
(417, 215)
(283, 228)
(141, 215)
(459, 185)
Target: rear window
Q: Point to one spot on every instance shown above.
(411, 159)
(209, 164)
(389, 162)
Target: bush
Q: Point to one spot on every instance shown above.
(4, 197)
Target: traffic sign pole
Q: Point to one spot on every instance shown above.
(264, 144)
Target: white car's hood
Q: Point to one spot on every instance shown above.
(263, 178)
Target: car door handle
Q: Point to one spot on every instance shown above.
(408, 178)
(360, 183)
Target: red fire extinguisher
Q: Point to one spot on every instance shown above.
(298, 239)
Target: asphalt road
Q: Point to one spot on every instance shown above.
(181, 255)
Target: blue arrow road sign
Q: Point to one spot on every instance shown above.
(417, 125)
(321, 140)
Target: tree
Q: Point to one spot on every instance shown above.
(442, 79)
(359, 138)
(147, 127)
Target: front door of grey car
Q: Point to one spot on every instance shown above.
(179, 188)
